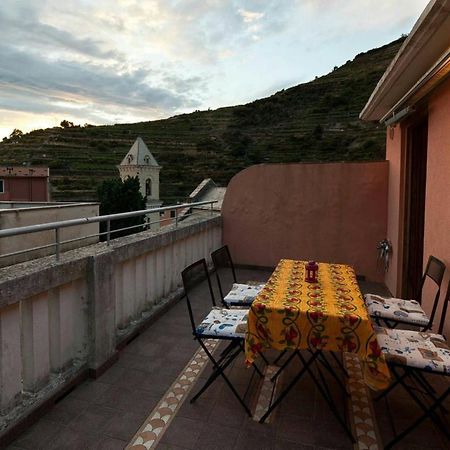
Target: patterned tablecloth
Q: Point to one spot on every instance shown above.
(290, 313)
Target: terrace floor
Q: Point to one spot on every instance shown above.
(135, 393)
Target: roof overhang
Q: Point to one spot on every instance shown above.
(422, 62)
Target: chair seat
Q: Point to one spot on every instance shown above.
(243, 294)
(426, 351)
(396, 309)
(221, 322)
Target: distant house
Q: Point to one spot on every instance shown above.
(413, 100)
(28, 184)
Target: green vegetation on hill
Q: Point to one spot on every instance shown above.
(315, 121)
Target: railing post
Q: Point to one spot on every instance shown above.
(58, 240)
(176, 218)
(211, 208)
(108, 231)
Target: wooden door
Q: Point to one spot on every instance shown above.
(415, 188)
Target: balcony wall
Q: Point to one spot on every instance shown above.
(58, 320)
(333, 212)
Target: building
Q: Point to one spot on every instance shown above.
(139, 162)
(29, 184)
(413, 100)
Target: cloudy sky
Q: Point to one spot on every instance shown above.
(111, 61)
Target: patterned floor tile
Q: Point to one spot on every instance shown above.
(159, 419)
(362, 415)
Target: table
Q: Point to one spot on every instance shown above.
(290, 313)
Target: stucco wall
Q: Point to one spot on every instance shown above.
(437, 210)
(328, 212)
(394, 155)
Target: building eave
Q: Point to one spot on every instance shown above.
(426, 45)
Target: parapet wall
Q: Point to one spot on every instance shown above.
(60, 319)
(333, 212)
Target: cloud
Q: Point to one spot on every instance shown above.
(119, 60)
(46, 84)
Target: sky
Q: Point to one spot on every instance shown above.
(119, 61)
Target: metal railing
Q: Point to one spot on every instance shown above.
(57, 226)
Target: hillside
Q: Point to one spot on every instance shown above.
(315, 121)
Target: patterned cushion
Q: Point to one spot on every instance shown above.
(242, 294)
(396, 309)
(224, 322)
(426, 351)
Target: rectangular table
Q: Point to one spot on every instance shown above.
(290, 313)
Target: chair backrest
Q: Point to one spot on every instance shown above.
(192, 276)
(444, 310)
(221, 258)
(435, 271)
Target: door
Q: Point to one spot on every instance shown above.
(415, 188)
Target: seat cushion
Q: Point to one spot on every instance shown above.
(425, 351)
(396, 309)
(223, 322)
(243, 294)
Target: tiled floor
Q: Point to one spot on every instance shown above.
(107, 412)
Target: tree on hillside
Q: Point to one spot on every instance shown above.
(67, 124)
(15, 136)
(117, 196)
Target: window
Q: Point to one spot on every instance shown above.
(2, 186)
(148, 187)
(147, 159)
(130, 158)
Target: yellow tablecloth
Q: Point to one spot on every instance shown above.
(290, 313)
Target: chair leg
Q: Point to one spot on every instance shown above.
(214, 375)
(429, 413)
(220, 372)
(255, 367)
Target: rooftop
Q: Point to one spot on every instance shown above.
(108, 412)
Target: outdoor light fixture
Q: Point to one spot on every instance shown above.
(311, 269)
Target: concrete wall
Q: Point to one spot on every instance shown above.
(328, 212)
(63, 318)
(32, 215)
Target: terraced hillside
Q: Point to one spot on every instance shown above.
(315, 121)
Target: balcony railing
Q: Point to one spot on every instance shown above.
(152, 217)
(61, 319)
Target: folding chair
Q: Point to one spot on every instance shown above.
(240, 295)
(219, 323)
(392, 312)
(409, 355)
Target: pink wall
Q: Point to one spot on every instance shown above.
(437, 211)
(328, 212)
(394, 156)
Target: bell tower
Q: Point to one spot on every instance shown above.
(141, 163)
